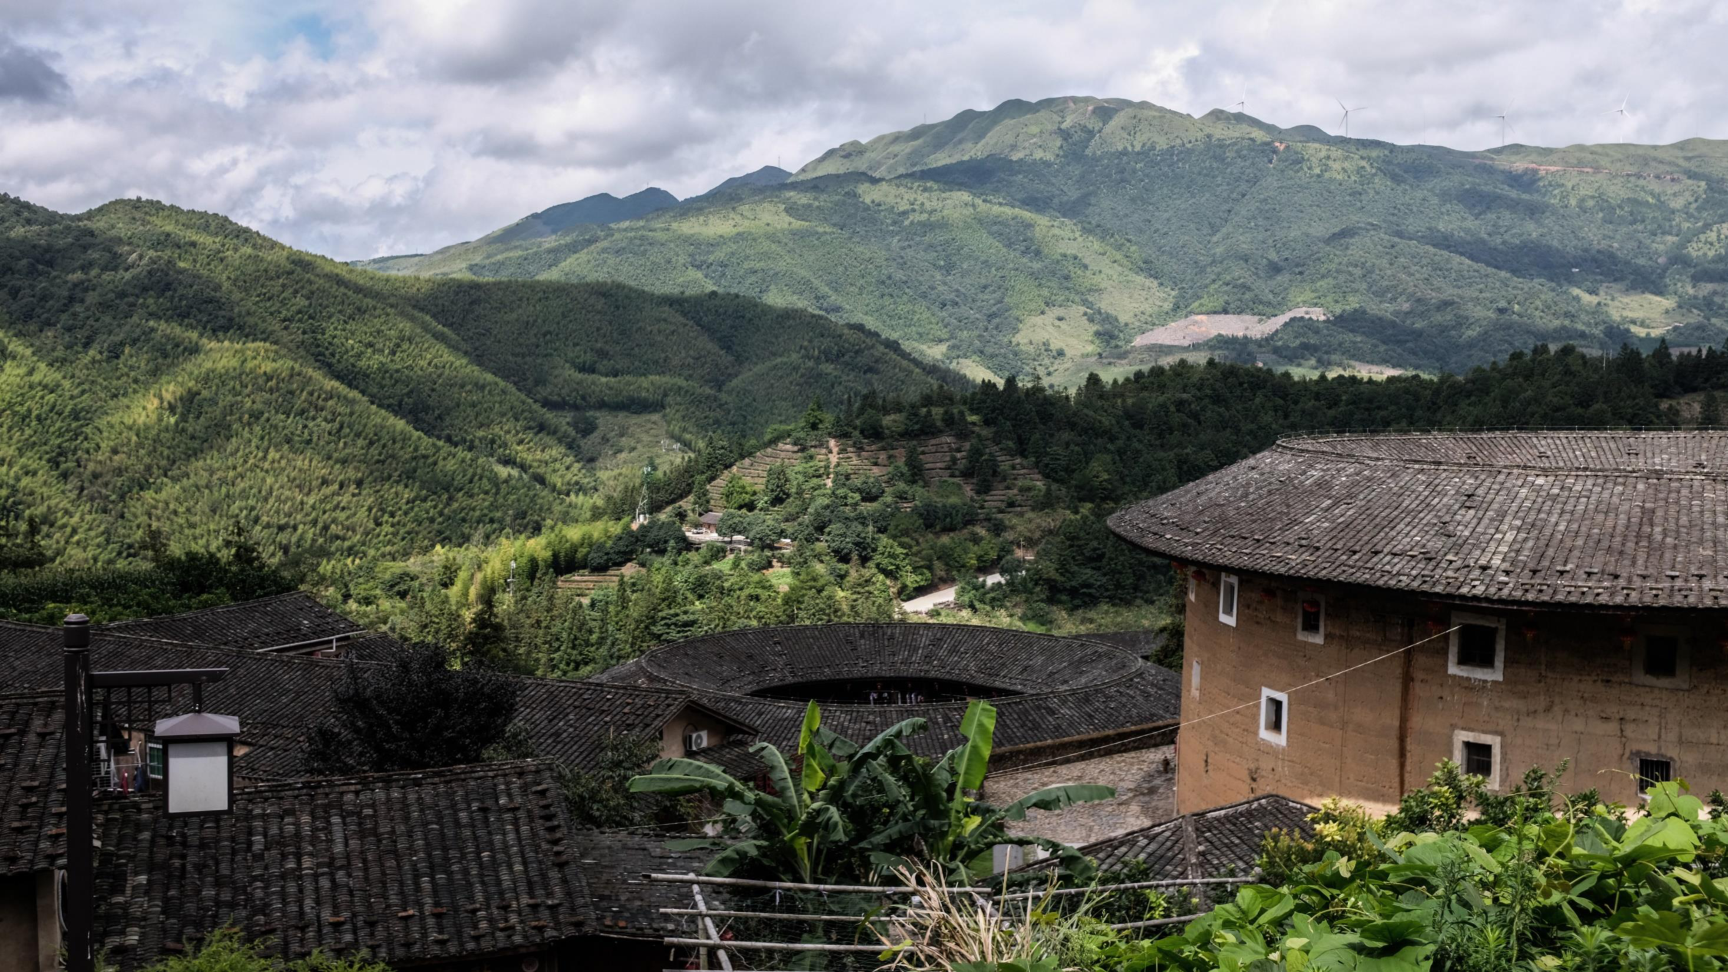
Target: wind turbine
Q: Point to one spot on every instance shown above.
(1347, 112)
(1504, 124)
(1621, 111)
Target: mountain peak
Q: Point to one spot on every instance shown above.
(1045, 130)
(600, 208)
(768, 175)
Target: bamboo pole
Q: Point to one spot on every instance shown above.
(713, 933)
(780, 946)
(1154, 923)
(1175, 883)
(791, 886)
(768, 914)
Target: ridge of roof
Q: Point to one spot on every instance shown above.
(1341, 449)
(250, 602)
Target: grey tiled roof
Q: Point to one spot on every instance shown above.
(1065, 687)
(295, 618)
(278, 697)
(32, 778)
(406, 867)
(1608, 518)
(624, 902)
(1221, 842)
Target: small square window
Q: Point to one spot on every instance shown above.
(1661, 656)
(156, 764)
(1194, 680)
(1311, 618)
(1478, 754)
(1192, 587)
(1477, 646)
(1654, 770)
(1479, 758)
(1227, 585)
(1274, 716)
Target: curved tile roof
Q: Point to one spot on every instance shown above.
(1622, 519)
(1066, 687)
(431, 866)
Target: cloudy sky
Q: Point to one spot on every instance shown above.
(362, 128)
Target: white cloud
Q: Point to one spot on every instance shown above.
(405, 125)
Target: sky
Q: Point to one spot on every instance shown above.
(359, 128)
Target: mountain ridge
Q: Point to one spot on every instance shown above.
(1041, 238)
(169, 373)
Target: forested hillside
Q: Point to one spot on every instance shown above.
(1039, 239)
(167, 374)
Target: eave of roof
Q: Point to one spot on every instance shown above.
(1581, 519)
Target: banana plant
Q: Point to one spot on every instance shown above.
(856, 812)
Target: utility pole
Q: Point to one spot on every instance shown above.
(79, 904)
(80, 865)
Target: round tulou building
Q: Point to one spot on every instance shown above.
(1505, 600)
(1068, 709)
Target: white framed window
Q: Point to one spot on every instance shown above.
(1227, 589)
(1274, 716)
(1477, 647)
(1194, 679)
(1662, 656)
(1478, 753)
(1311, 617)
(155, 763)
(1193, 586)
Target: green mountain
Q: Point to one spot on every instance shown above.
(166, 373)
(1043, 238)
(768, 175)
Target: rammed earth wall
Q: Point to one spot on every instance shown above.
(1572, 687)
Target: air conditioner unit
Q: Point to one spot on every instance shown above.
(695, 739)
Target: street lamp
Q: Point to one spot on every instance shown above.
(198, 762)
(202, 742)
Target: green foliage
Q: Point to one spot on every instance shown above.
(226, 950)
(171, 584)
(602, 798)
(857, 813)
(1340, 828)
(172, 371)
(416, 712)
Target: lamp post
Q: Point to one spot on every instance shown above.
(80, 951)
(202, 742)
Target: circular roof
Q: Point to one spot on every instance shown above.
(1058, 688)
(1610, 518)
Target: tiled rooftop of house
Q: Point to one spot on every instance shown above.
(278, 697)
(409, 867)
(1221, 842)
(1586, 518)
(287, 621)
(1054, 688)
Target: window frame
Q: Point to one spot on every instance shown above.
(1462, 736)
(1682, 677)
(155, 760)
(1193, 586)
(1313, 637)
(1282, 736)
(1194, 679)
(1638, 778)
(1234, 584)
(1495, 674)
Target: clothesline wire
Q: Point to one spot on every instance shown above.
(1067, 757)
